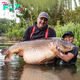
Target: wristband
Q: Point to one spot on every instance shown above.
(60, 51)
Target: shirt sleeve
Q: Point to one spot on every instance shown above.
(75, 51)
(27, 33)
(52, 32)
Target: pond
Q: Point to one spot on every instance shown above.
(17, 69)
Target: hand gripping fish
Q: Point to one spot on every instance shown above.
(37, 51)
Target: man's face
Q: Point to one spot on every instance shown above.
(41, 22)
(69, 38)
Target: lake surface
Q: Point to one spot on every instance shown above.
(17, 69)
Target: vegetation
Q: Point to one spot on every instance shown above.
(57, 10)
(62, 18)
(70, 26)
(4, 23)
(15, 32)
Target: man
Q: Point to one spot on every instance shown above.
(39, 30)
(68, 58)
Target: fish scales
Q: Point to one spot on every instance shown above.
(37, 51)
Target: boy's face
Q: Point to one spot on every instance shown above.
(68, 38)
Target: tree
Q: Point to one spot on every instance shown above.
(55, 8)
(31, 8)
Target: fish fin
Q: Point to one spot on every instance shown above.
(42, 61)
(4, 51)
(8, 56)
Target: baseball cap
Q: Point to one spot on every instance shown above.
(68, 33)
(43, 14)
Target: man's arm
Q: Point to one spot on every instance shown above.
(65, 57)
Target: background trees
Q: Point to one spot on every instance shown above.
(57, 9)
(4, 23)
(62, 16)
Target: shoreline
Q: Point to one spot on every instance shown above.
(6, 41)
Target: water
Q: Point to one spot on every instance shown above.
(17, 69)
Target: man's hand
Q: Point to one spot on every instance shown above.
(20, 54)
(52, 46)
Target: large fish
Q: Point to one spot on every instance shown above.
(37, 51)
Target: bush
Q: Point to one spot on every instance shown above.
(15, 32)
(75, 28)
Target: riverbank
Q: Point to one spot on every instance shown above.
(6, 41)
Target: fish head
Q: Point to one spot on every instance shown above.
(65, 46)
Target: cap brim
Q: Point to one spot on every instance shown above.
(42, 16)
(67, 34)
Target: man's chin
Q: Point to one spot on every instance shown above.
(42, 26)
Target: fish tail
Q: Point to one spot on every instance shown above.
(5, 51)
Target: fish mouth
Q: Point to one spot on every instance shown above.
(73, 47)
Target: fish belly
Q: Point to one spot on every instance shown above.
(38, 56)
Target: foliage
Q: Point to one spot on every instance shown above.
(4, 23)
(60, 12)
(2, 28)
(57, 10)
(70, 26)
(15, 32)
(73, 16)
(31, 8)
